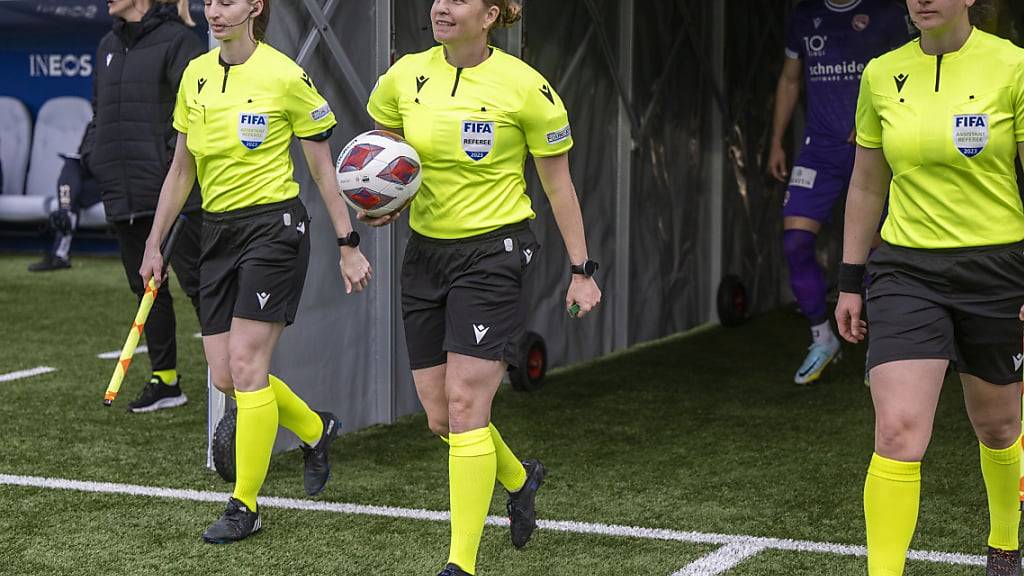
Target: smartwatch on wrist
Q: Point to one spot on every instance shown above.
(587, 269)
(352, 240)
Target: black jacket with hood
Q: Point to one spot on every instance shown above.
(129, 144)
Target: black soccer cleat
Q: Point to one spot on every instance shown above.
(1003, 562)
(522, 515)
(237, 523)
(49, 263)
(317, 469)
(453, 570)
(158, 396)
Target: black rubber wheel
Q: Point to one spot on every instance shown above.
(224, 445)
(732, 301)
(533, 364)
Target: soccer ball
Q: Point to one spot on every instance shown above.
(378, 171)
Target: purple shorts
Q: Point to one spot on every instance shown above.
(820, 178)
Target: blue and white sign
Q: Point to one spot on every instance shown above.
(970, 133)
(252, 129)
(477, 138)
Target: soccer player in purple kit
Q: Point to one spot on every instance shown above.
(828, 44)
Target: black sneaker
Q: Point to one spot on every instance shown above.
(1003, 562)
(522, 516)
(237, 523)
(48, 263)
(317, 469)
(157, 396)
(453, 570)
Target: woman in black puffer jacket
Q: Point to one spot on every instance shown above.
(128, 147)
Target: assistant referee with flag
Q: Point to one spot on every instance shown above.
(237, 110)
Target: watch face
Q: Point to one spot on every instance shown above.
(589, 267)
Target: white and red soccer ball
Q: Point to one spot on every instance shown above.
(378, 171)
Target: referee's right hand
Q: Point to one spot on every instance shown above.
(848, 317)
(152, 266)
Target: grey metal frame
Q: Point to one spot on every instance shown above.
(628, 127)
(384, 284)
(716, 160)
(323, 27)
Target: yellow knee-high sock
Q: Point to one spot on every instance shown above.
(1001, 470)
(295, 414)
(471, 470)
(254, 439)
(892, 495)
(511, 473)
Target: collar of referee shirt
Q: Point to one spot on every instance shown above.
(972, 40)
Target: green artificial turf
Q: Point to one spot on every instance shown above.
(703, 433)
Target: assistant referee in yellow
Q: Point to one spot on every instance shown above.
(473, 113)
(939, 124)
(238, 107)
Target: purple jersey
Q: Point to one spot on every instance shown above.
(835, 43)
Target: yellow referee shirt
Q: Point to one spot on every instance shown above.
(949, 127)
(472, 128)
(240, 120)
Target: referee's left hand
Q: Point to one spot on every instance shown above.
(584, 292)
(355, 269)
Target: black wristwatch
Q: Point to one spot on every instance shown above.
(352, 240)
(588, 268)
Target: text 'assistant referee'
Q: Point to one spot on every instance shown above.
(252, 129)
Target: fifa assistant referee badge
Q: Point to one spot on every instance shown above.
(352, 240)
(588, 268)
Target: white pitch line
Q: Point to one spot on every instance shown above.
(117, 353)
(720, 561)
(26, 373)
(553, 525)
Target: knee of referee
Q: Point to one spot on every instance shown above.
(469, 408)
(902, 436)
(248, 373)
(997, 432)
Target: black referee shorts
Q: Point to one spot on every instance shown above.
(253, 264)
(465, 296)
(960, 305)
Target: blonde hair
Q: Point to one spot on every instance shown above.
(183, 11)
(511, 12)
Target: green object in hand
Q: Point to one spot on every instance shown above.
(574, 310)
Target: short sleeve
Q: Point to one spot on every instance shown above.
(181, 106)
(1018, 103)
(794, 40)
(869, 124)
(383, 104)
(544, 120)
(307, 110)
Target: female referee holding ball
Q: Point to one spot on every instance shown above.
(238, 107)
(473, 112)
(939, 122)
